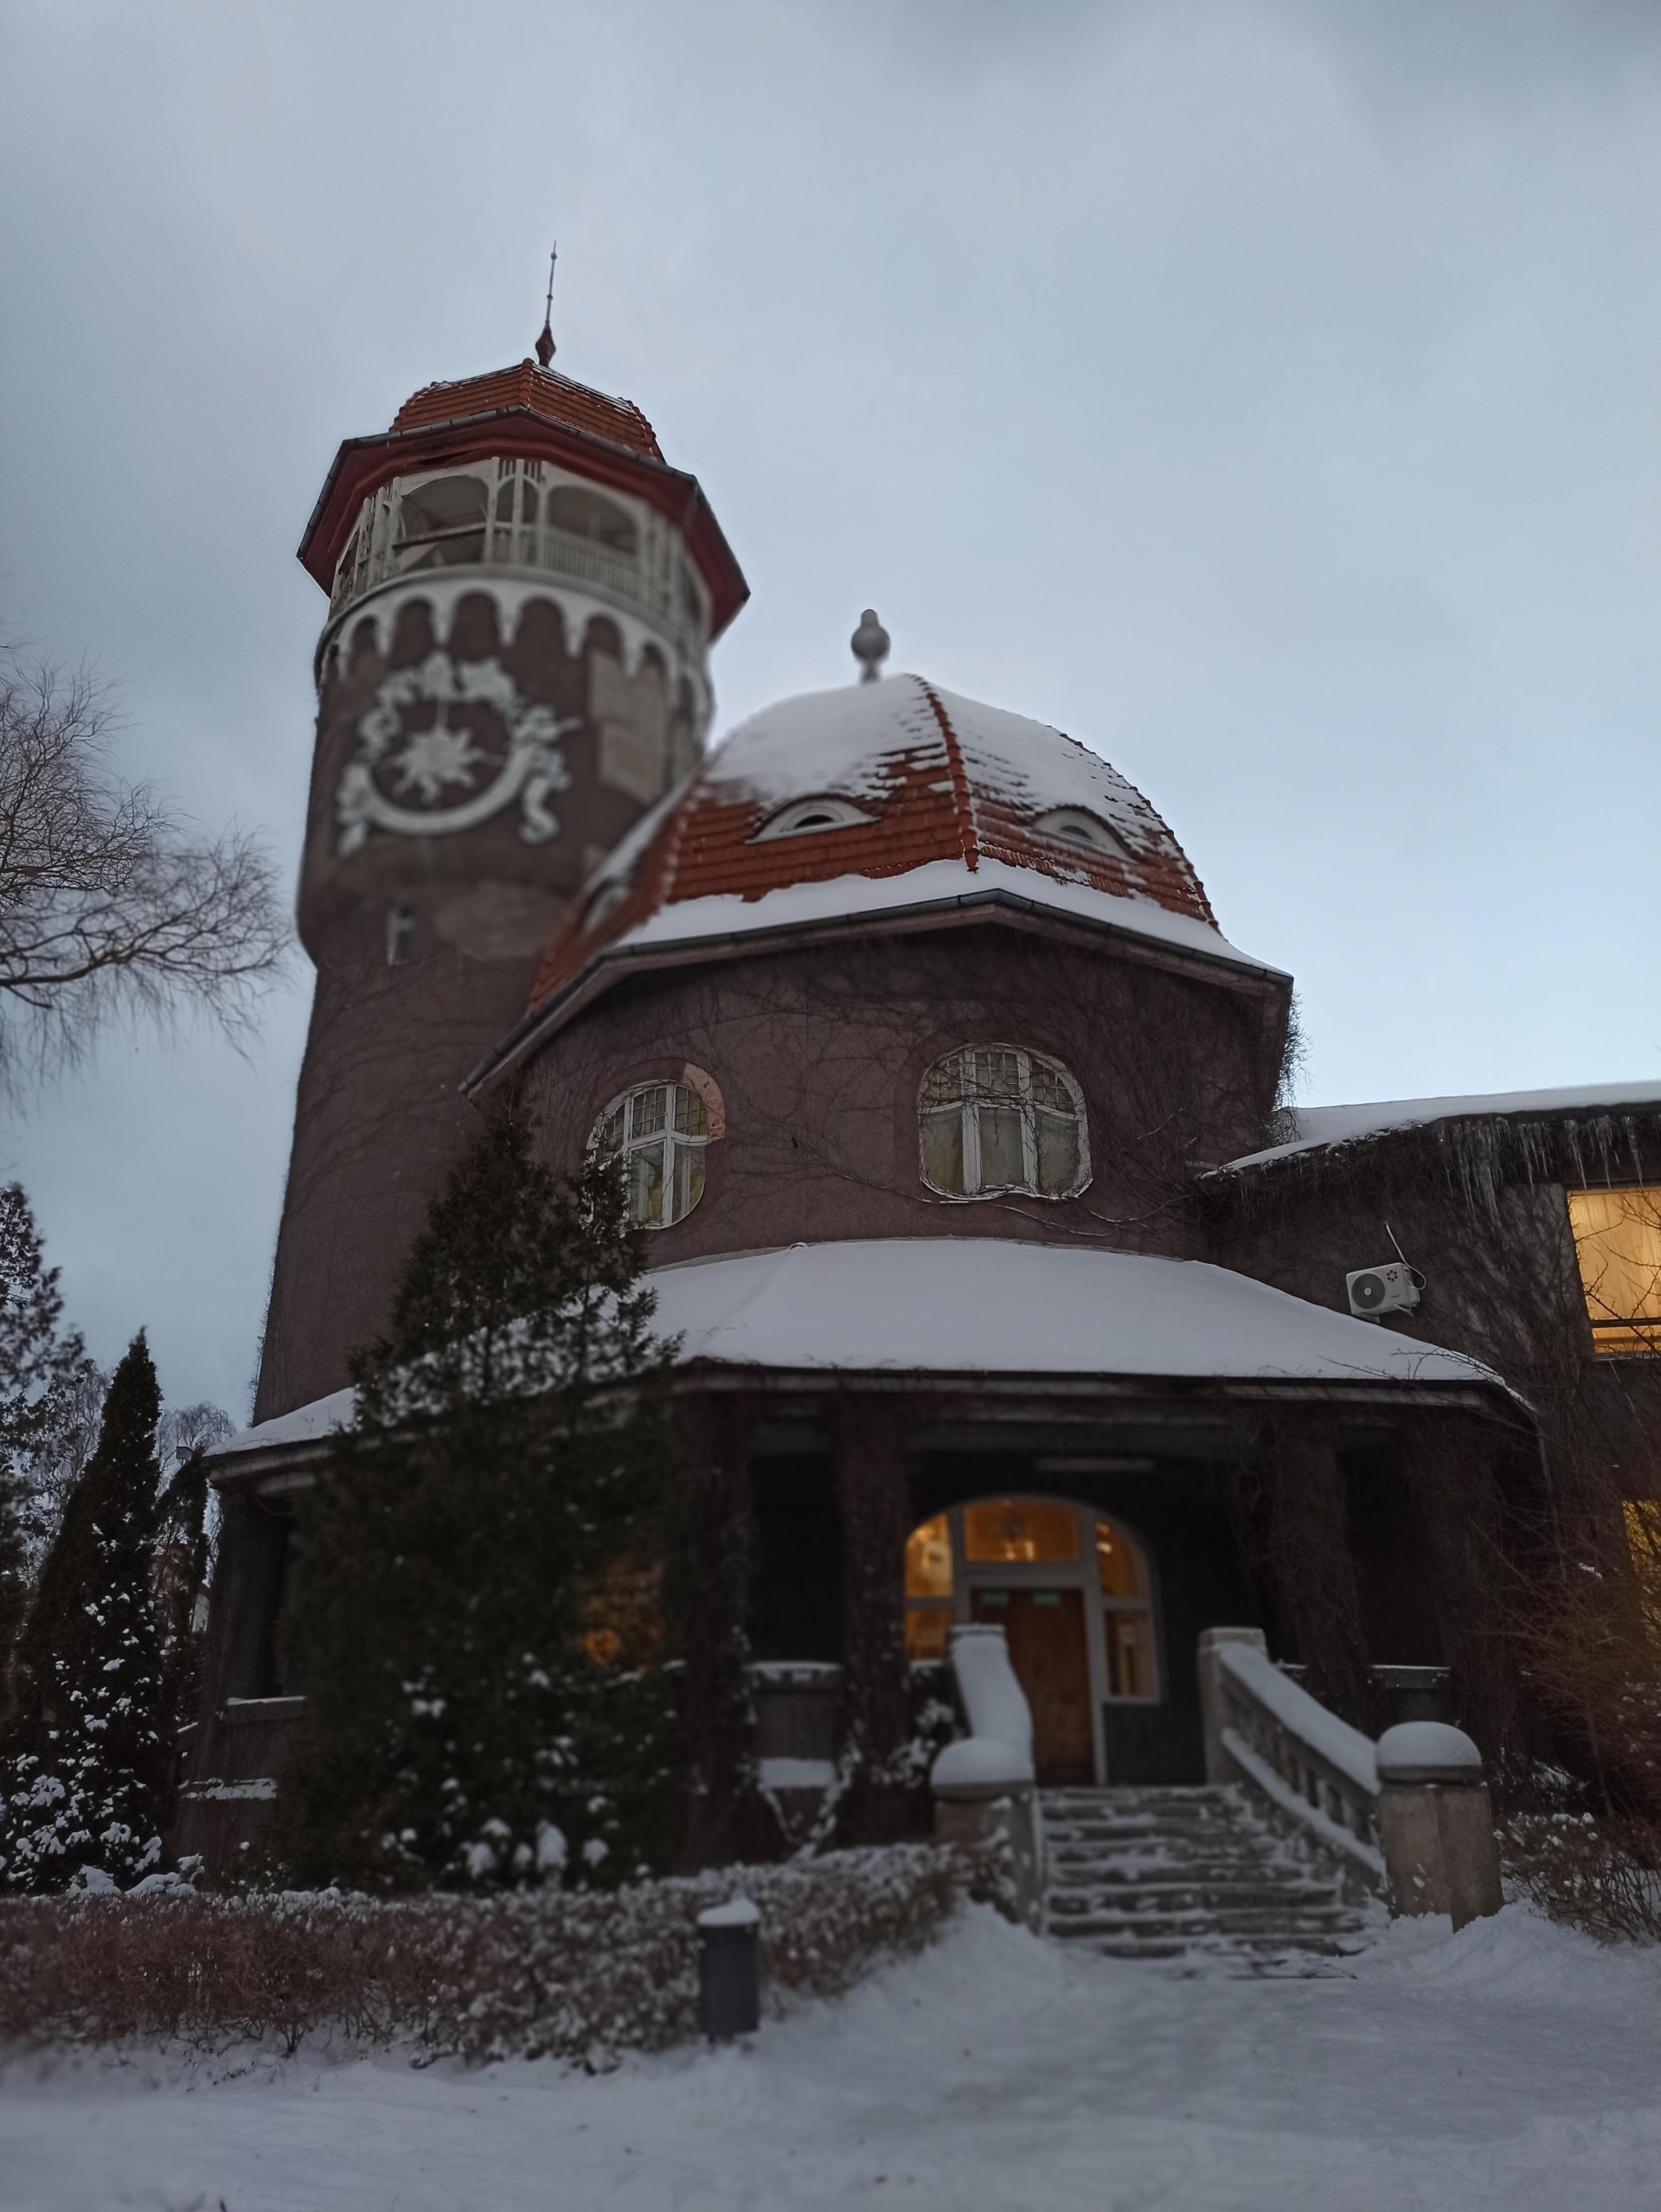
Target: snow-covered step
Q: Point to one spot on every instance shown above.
(1170, 1873)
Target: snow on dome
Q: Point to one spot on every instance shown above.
(928, 797)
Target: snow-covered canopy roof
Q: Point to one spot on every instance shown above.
(926, 800)
(1325, 1128)
(995, 1306)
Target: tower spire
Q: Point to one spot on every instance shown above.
(545, 343)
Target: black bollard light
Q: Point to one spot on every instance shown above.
(729, 1971)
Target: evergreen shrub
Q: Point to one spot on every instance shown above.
(85, 1763)
(488, 1700)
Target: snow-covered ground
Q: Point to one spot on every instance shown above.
(1513, 2065)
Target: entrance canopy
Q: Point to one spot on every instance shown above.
(992, 1305)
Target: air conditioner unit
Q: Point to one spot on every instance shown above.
(1393, 1288)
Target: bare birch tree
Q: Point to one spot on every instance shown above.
(110, 902)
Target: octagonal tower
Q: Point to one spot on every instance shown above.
(514, 667)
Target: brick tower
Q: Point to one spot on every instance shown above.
(514, 668)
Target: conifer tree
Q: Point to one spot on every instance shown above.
(487, 1702)
(45, 1376)
(85, 1761)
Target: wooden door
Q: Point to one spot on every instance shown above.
(1044, 1629)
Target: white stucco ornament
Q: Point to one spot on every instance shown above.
(439, 778)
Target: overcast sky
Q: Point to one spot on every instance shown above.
(1266, 393)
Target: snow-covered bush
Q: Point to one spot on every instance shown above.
(1602, 1876)
(572, 1974)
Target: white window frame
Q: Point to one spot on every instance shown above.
(968, 1108)
(674, 1141)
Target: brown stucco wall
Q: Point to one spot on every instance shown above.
(379, 1115)
(818, 1052)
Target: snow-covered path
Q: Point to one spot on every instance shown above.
(1514, 2065)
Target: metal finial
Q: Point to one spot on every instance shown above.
(545, 343)
(870, 643)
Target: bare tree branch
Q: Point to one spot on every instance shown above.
(110, 903)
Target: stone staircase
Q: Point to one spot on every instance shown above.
(1174, 1873)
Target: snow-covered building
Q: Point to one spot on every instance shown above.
(1005, 1289)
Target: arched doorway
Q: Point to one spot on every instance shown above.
(1073, 1592)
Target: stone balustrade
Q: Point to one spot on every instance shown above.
(1408, 1816)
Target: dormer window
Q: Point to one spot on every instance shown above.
(1076, 826)
(804, 816)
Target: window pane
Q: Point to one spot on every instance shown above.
(942, 1148)
(929, 1560)
(648, 1110)
(943, 1085)
(1618, 1244)
(998, 1076)
(646, 1184)
(688, 1181)
(691, 1119)
(928, 1628)
(1020, 1529)
(450, 503)
(1130, 1655)
(1049, 1093)
(1120, 1563)
(1058, 1153)
(609, 1135)
(1002, 1166)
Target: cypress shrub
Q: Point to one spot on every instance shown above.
(85, 1762)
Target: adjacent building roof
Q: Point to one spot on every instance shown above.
(1325, 1128)
(995, 1306)
(946, 803)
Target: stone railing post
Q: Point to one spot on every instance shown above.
(1436, 1823)
(983, 1783)
(1219, 1767)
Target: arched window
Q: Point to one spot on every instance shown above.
(993, 1118)
(659, 1133)
(1072, 1591)
(441, 523)
(586, 514)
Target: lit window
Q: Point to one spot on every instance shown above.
(803, 816)
(1020, 1530)
(1618, 1244)
(659, 1133)
(995, 1118)
(1074, 825)
(441, 524)
(1033, 1564)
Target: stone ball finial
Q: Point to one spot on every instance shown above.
(545, 346)
(870, 643)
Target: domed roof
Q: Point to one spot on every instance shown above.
(542, 392)
(882, 799)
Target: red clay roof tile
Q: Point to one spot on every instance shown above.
(942, 778)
